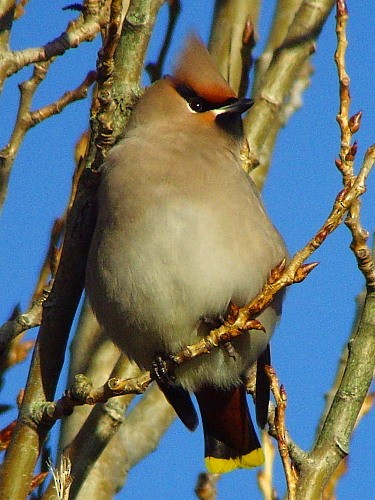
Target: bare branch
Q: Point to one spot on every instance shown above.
(27, 119)
(283, 18)
(155, 69)
(281, 399)
(265, 475)
(278, 80)
(349, 125)
(56, 107)
(233, 36)
(8, 154)
(281, 23)
(64, 298)
(333, 440)
(30, 319)
(84, 29)
(360, 236)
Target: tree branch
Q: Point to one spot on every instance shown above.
(283, 18)
(37, 116)
(83, 29)
(233, 36)
(27, 119)
(8, 154)
(7, 11)
(278, 80)
(155, 70)
(279, 394)
(63, 301)
(333, 440)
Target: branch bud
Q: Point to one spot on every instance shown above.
(276, 273)
(232, 313)
(248, 32)
(304, 271)
(352, 152)
(253, 324)
(342, 8)
(355, 122)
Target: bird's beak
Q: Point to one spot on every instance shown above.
(238, 106)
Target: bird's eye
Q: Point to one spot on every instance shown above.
(197, 105)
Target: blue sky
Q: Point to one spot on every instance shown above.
(299, 193)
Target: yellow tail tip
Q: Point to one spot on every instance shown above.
(222, 465)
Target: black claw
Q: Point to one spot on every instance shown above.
(161, 370)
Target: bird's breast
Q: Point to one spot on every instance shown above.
(175, 242)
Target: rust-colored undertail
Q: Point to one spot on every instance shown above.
(229, 435)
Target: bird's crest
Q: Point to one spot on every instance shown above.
(196, 70)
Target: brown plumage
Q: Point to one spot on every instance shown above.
(181, 232)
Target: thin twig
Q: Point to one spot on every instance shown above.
(34, 117)
(360, 236)
(349, 125)
(346, 164)
(30, 319)
(84, 29)
(155, 70)
(9, 152)
(281, 403)
(27, 119)
(332, 444)
(265, 475)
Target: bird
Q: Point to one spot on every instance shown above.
(181, 236)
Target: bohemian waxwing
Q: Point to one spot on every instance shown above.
(181, 233)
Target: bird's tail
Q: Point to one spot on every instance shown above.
(229, 435)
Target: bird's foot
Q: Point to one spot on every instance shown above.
(162, 370)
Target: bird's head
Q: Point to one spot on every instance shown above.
(196, 94)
